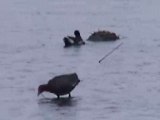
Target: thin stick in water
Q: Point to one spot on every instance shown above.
(110, 52)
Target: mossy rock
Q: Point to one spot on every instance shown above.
(103, 36)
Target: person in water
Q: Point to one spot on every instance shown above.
(70, 40)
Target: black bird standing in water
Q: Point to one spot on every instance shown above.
(60, 85)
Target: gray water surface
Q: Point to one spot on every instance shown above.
(125, 86)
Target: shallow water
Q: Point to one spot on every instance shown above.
(125, 86)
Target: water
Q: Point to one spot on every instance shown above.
(125, 86)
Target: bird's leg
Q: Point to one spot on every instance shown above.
(69, 95)
(58, 97)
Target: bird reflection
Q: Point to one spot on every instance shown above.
(63, 101)
(63, 108)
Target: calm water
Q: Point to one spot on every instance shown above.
(125, 86)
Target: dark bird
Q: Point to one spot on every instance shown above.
(60, 85)
(70, 40)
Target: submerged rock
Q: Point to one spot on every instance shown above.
(103, 36)
(60, 85)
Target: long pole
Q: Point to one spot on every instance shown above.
(110, 52)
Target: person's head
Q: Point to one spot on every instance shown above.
(76, 33)
(41, 89)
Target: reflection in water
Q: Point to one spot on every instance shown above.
(58, 109)
(59, 102)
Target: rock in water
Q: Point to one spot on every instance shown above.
(60, 85)
(103, 36)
